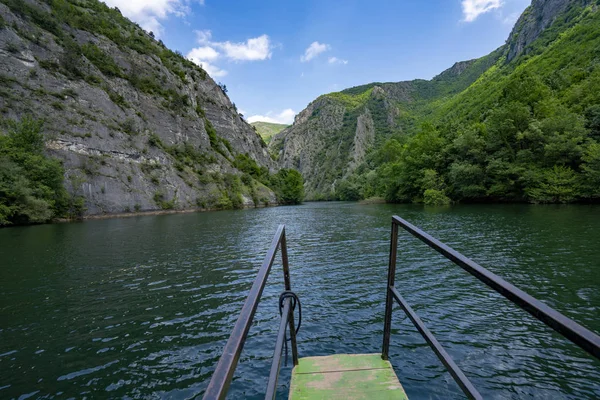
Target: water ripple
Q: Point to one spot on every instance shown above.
(142, 307)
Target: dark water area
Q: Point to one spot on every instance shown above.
(141, 307)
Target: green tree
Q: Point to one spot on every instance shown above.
(559, 185)
(591, 170)
(31, 184)
(289, 186)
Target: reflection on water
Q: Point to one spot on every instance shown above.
(141, 307)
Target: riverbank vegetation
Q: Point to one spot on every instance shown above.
(31, 183)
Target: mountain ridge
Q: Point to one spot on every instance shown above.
(331, 147)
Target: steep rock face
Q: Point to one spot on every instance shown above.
(456, 70)
(308, 143)
(331, 137)
(363, 140)
(536, 18)
(137, 128)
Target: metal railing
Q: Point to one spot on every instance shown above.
(221, 379)
(584, 338)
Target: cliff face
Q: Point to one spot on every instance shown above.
(137, 126)
(536, 18)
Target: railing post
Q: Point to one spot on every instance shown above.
(288, 286)
(223, 374)
(389, 300)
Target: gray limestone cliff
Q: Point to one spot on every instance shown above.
(535, 19)
(137, 126)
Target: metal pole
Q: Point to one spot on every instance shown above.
(389, 301)
(581, 336)
(274, 374)
(288, 286)
(219, 383)
(460, 378)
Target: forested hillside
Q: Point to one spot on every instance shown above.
(521, 124)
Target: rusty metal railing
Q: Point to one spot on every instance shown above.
(584, 338)
(221, 379)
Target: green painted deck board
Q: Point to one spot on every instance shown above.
(345, 376)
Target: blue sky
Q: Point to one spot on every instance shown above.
(277, 56)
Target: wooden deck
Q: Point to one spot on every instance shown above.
(345, 376)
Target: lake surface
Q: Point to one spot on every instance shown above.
(141, 307)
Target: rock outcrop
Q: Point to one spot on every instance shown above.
(137, 126)
(536, 18)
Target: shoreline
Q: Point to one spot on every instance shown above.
(149, 213)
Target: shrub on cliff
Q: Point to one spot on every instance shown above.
(31, 184)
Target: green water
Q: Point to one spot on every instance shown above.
(141, 307)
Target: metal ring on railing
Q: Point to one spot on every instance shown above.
(295, 300)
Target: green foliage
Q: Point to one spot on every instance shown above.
(244, 163)
(527, 130)
(591, 171)
(117, 98)
(31, 184)
(12, 47)
(347, 191)
(36, 15)
(556, 185)
(188, 155)
(212, 134)
(233, 191)
(154, 141)
(288, 186)
(175, 101)
(101, 60)
(434, 197)
(70, 59)
(160, 200)
(146, 83)
(267, 130)
(129, 127)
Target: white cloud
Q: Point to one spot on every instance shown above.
(335, 60)
(284, 117)
(148, 13)
(203, 56)
(254, 49)
(474, 8)
(203, 37)
(211, 69)
(203, 53)
(314, 50)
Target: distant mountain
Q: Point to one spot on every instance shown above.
(267, 130)
(520, 124)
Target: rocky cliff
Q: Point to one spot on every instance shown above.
(138, 127)
(540, 15)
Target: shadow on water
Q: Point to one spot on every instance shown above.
(141, 307)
